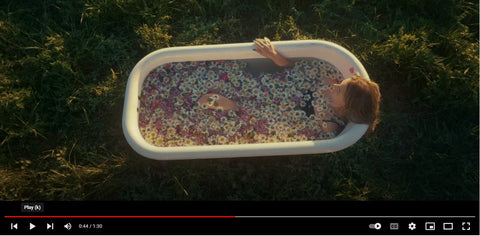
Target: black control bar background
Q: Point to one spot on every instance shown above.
(257, 217)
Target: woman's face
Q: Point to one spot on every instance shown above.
(337, 95)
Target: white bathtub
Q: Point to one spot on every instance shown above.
(345, 61)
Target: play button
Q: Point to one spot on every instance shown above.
(32, 226)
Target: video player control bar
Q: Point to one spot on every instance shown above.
(446, 225)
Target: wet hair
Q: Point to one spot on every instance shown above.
(362, 102)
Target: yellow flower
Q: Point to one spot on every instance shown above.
(159, 142)
(188, 142)
(280, 126)
(291, 105)
(272, 140)
(222, 139)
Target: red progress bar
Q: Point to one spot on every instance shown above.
(119, 216)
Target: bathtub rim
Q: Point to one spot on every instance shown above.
(238, 51)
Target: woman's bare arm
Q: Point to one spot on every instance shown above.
(266, 49)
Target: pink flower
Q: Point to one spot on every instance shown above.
(260, 126)
(224, 77)
(174, 92)
(307, 132)
(159, 125)
(188, 101)
(265, 89)
(142, 120)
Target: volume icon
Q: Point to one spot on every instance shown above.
(68, 226)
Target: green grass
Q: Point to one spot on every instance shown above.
(64, 66)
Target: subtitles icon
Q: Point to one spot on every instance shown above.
(393, 226)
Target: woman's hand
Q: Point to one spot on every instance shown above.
(329, 127)
(266, 49)
(217, 101)
(330, 81)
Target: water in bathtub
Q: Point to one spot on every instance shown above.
(273, 103)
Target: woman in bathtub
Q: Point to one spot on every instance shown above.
(355, 99)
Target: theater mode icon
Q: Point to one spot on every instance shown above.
(448, 226)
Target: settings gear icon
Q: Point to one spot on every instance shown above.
(412, 226)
